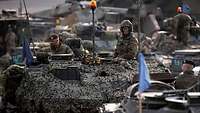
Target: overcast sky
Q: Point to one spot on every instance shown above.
(32, 5)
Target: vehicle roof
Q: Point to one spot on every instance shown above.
(11, 18)
(187, 51)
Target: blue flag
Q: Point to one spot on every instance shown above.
(26, 52)
(186, 8)
(144, 79)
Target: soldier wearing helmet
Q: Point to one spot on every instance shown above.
(127, 45)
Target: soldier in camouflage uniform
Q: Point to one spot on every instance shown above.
(57, 47)
(183, 23)
(7, 45)
(186, 79)
(127, 45)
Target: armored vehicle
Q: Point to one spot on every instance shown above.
(74, 86)
(164, 100)
(9, 19)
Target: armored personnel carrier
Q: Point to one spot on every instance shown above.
(73, 86)
(9, 19)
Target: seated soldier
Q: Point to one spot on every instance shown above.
(127, 45)
(7, 47)
(57, 47)
(186, 78)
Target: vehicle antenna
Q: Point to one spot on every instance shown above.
(93, 6)
(139, 27)
(29, 30)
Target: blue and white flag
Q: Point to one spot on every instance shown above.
(144, 78)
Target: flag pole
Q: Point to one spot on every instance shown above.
(29, 29)
(139, 50)
(139, 27)
(140, 103)
(93, 6)
(93, 35)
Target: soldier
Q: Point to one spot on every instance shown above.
(183, 21)
(186, 78)
(127, 45)
(56, 46)
(8, 44)
(73, 42)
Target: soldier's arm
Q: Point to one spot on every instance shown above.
(69, 50)
(134, 46)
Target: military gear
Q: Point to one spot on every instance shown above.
(147, 45)
(165, 42)
(127, 47)
(182, 27)
(62, 49)
(98, 84)
(76, 45)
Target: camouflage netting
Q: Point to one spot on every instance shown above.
(98, 84)
(40, 90)
(10, 81)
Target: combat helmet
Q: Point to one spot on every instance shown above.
(126, 23)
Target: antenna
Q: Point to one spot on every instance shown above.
(139, 27)
(20, 8)
(29, 30)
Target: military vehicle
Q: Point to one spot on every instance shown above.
(9, 19)
(65, 85)
(70, 86)
(156, 100)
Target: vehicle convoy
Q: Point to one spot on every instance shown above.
(64, 84)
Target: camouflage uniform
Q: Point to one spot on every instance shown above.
(165, 42)
(10, 41)
(182, 27)
(185, 80)
(146, 45)
(127, 46)
(76, 45)
(62, 49)
(7, 47)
